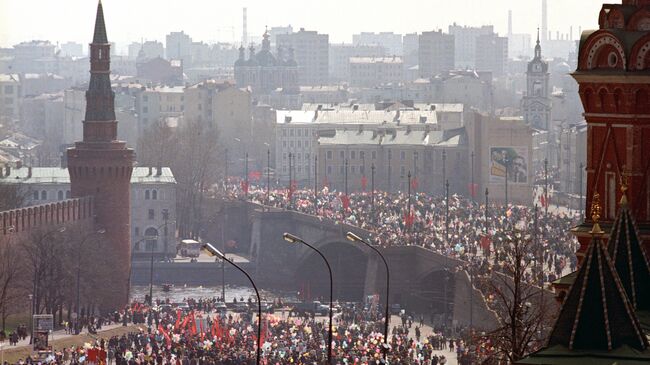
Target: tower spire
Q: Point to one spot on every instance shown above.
(100, 36)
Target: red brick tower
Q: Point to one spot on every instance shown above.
(101, 166)
(614, 77)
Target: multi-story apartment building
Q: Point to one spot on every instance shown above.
(388, 40)
(340, 55)
(435, 53)
(492, 54)
(465, 44)
(373, 71)
(403, 159)
(10, 94)
(311, 53)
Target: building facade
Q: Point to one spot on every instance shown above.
(374, 71)
(311, 54)
(465, 44)
(436, 53)
(492, 54)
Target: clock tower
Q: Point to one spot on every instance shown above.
(536, 104)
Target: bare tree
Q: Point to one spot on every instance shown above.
(193, 153)
(12, 196)
(10, 293)
(521, 307)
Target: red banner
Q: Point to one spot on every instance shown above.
(364, 183)
(244, 186)
(346, 201)
(473, 189)
(415, 183)
(255, 175)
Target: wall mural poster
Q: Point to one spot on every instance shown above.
(513, 160)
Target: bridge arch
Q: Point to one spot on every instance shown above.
(349, 266)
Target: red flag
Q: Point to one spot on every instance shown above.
(91, 354)
(244, 186)
(193, 325)
(264, 331)
(165, 335)
(473, 189)
(542, 200)
(409, 218)
(178, 320)
(415, 183)
(364, 182)
(346, 201)
(255, 175)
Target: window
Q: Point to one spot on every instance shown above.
(154, 195)
(402, 155)
(152, 238)
(36, 195)
(145, 110)
(390, 154)
(342, 155)
(9, 89)
(291, 132)
(354, 170)
(145, 99)
(374, 155)
(43, 195)
(284, 132)
(68, 195)
(403, 170)
(362, 155)
(341, 171)
(137, 231)
(353, 155)
(329, 155)
(152, 214)
(59, 195)
(329, 170)
(147, 195)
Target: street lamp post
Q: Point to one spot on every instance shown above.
(215, 252)
(316, 185)
(487, 193)
(346, 176)
(151, 264)
(506, 182)
(447, 212)
(295, 239)
(582, 215)
(83, 242)
(246, 176)
(355, 238)
(546, 189)
(268, 177)
(444, 166)
(473, 188)
(290, 182)
(372, 191)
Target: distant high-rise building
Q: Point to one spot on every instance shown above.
(435, 53)
(311, 53)
(178, 46)
(275, 31)
(410, 49)
(146, 50)
(536, 104)
(72, 49)
(390, 41)
(340, 55)
(491, 54)
(465, 44)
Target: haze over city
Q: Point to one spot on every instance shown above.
(211, 21)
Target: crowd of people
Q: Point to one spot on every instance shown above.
(464, 230)
(203, 336)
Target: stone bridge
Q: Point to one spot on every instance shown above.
(421, 280)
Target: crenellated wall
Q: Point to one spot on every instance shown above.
(23, 220)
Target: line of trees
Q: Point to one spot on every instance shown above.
(39, 270)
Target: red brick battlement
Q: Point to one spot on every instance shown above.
(38, 216)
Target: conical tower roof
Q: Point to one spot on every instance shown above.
(100, 27)
(629, 257)
(596, 314)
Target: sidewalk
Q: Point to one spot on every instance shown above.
(59, 335)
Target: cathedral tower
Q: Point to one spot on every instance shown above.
(614, 78)
(100, 166)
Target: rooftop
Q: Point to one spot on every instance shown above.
(451, 138)
(57, 175)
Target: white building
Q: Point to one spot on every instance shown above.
(492, 54)
(340, 55)
(153, 202)
(373, 71)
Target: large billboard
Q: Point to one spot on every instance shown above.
(511, 160)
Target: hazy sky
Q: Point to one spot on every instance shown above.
(210, 20)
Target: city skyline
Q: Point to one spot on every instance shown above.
(133, 26)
